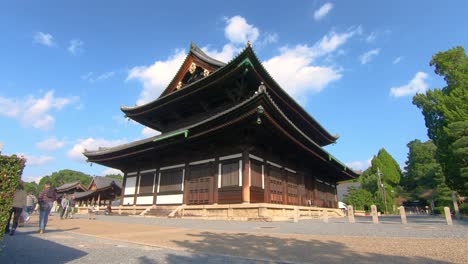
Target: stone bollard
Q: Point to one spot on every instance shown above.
(403, 215)
(448, 216)
(296, 215)
(375, 218)
(325, 215)
(120, 209)
(351, 214)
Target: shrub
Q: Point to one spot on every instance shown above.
(11, 168)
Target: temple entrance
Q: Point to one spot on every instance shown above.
(276, 185)
(200, 184)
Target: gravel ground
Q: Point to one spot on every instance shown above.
(418, 227)
(118, 239)
(64, 247)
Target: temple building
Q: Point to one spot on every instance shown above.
(229, 135)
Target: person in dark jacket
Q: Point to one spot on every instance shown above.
(46, 201)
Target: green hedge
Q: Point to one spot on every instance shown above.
(11, 168)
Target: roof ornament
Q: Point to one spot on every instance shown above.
(261, 88)
(193, 68)
(179, 85)
(206, 72)
(249, 44)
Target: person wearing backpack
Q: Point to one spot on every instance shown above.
(46, 201)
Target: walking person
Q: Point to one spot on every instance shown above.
(46, 201)
(65, 203)
(19, 201)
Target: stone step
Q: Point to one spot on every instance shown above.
(162, 211)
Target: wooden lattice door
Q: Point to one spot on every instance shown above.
(200, 185)
(276, 185)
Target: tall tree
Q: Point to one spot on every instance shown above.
(390, 174)
(446, 116)
(424, 178)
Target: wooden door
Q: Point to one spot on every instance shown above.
(200, 184)
(276, 185)
(293, 188)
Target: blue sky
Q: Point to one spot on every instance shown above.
(66, 68)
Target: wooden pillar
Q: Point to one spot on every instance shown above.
(185, 183)
(99, 200)
(155, 187)
(137, 187)
(122, 193)
(215, 179)
(245, 177)
(266, 191)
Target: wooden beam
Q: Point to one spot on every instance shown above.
(245, 177)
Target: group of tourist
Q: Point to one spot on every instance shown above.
(44, 203)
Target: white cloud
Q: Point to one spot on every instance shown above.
(360, 165)
(397, 60)
(157, 76)
(76, 46)
(37, 160)
(323, 11)
(368, 56)
(50, 144)
(34, 112)
(45, 39)
(149, 132)
(239, 31)
(76, 152)
(225, 55)
(295, 68)
(416, 85)
(109, 171)
(90, 77)
(371, 38)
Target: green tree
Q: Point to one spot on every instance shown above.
(445, 113)
(65, 176)
(115, 176)
(390, 175)
(423, 172)
(359, 198)
(31, 187)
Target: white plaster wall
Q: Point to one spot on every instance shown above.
(145, 200)
(128, 200)
(169, 199)
(130, 186)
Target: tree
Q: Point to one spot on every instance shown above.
(115, 176)
(31, 187)
(445, 113)
(65, 176)
(359, 198)
(424, 178)
(390, 174)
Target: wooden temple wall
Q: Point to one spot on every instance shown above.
(229, 179)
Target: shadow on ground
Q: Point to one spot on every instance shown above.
(210, 247)
(24, 247)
